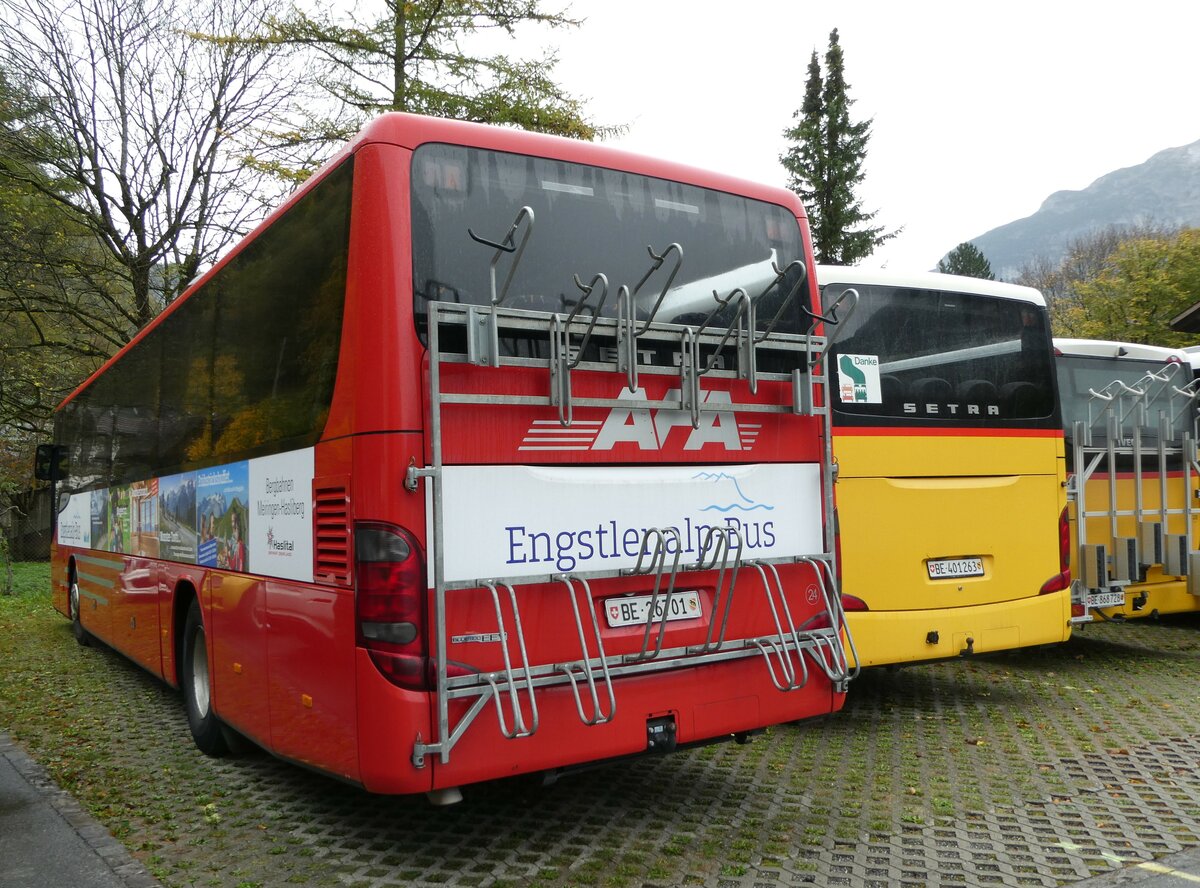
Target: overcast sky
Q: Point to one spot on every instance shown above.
(980, 110)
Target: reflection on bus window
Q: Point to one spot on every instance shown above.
(937, 361)
(588, 220)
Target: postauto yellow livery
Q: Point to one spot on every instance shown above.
(951, 489)
(1129, 413)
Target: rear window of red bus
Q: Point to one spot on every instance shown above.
(587, 221)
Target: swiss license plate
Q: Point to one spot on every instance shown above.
(634, 609)
(1106, 599)
(951, 568)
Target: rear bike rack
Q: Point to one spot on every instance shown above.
(520, 728)
(585, 665)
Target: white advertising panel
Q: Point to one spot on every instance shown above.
(75, 522)
(280, 534)
(526, 521)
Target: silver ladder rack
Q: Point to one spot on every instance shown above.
(1125, 413)
(592, 676)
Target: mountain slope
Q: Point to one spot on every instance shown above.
(1165, 190)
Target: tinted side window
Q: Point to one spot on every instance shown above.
(242, 368)
(278, 328)
(185, 416)
(133, 397)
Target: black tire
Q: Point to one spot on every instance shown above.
(73, 604)
(196, 684)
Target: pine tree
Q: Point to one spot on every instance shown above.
(825, 164)
(968, 260)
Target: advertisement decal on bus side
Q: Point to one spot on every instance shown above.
(252, 516)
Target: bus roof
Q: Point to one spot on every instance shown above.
(926, 280)
(1106, 348)
(413, 130)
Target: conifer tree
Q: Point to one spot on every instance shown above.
(825, 164)
(968, 260)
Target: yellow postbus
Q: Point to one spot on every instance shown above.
(1129, 414)
(951, 490)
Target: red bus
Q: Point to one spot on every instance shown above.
(488, 453)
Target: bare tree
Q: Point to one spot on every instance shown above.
(148, 138)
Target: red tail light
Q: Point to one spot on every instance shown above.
(822, 620)
(1062, 579)
(853, 603)
(390, 603)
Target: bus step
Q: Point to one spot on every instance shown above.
(587, 665)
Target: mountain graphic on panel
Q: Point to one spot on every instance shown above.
(180, 502)
(212, 506)
(728, 495)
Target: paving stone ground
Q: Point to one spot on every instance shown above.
(1038, 768)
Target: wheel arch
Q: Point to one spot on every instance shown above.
(183, 596)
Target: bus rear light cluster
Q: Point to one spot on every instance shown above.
(389, 603)
(822, 620)
(1062, 579)
(853, 603)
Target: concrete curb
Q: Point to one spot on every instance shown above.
(43, 822)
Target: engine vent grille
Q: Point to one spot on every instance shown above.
(331, 527)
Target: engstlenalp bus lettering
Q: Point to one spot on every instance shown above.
(567, 549)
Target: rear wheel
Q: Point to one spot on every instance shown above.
(197, 686)
(81, 635)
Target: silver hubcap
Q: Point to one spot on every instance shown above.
(73, 601)
(200, 686)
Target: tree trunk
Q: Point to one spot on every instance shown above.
(400, 35)
(140, 280)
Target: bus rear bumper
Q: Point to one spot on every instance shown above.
(1154, 599)
(884, 638)
(702, 704)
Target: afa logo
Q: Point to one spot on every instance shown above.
(647, 429)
